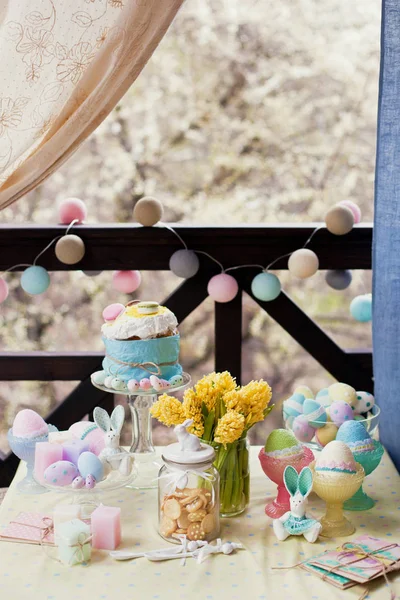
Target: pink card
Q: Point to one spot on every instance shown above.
(28, 528)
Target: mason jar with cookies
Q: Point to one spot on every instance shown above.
(188, 489)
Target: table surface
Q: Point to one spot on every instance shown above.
(27, 572)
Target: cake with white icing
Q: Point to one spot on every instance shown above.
(141, 347)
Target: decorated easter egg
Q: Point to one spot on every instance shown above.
(326, 434)
(155, 383)
(280, 439)
(90, 482)
(176, 380)
(302, 429)
(28, 424)
(323, 397)
(336, 457)
(342, 391)
(305, 390)
(315, 413)
(99, 377)
(118, 384)
(90, 464)
(340, 412)
(365, 401)
(293, 406)
(165, 384)
(145, 383)
(355, 436)
(108, 381)
(61, 473)
(78, 483)
(133, 385)
(79, 427)
(112, 311)
(95, 438)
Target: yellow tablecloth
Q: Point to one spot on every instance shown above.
(27, 573)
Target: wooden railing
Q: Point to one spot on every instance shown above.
(135, 247)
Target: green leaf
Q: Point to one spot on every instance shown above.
(208, 425)
(204, 410)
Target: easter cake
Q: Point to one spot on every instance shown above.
(142, 347)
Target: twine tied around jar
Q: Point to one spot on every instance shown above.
(178, 478)
(151, 367)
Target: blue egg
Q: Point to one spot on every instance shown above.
(323, 397)
(35, 280)
(315, 413)
(352, 431)
(361, 308)
(90, 464)
(266, 286)
(293, 406)
(176, 380)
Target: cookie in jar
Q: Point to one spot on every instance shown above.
(188, 490)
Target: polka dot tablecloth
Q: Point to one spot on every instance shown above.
(26, 572)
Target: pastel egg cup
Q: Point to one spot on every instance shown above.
(369, 461)
(274, 468)
(335, 488)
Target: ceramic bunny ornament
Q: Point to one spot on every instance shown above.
(295, 522)
(113, 456)
(187, 440)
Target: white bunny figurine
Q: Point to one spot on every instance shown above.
(113, 456)
(295, 522)
(187, 440)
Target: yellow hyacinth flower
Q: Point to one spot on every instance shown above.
(168, 410)
(212, 387)
(229, 428)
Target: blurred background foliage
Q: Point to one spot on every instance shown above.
(248, 112)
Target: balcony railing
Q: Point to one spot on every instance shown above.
(134, 247)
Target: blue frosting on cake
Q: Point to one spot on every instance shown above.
(121, 354)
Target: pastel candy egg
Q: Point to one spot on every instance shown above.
(108, 381)
(323, 397)
(78, 483)
(176, 380)
(315, 413)
(61, 473)
(165, 383)
(293, 406)
(365, 401)
(305, 390)
(302, 429)
(118, 384)
(340, 412)
(99, 377)
(133, 385)
(155, 383)
(90, 482)
(90, 464)
(342, 391)
(145, 384)
(326, 434)
(112, 311)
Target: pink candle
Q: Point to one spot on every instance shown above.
(45, 455)
(106, 527)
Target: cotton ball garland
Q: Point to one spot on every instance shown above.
(361, 308)
(339, 220)
(35, 280)
(72, 209)
(303, 263)
(148, 211)
(70, 249)
(338, 279)
(355, 209)
(222, 287)
(340, 412)
(184, 263)
(126, 281)
(266, 286)
(92, 273)
(3, 290)
(302, 429)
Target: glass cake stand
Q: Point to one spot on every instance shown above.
(140, 402)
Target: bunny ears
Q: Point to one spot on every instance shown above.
(105, 422)
(298, 483)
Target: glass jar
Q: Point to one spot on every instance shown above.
(188, 494)
(232, 463)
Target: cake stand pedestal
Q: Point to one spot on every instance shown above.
(140, 402)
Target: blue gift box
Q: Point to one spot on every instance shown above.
(122, 355)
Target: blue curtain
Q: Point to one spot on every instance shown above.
(386, 246)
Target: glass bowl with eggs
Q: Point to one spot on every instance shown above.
(315, 419)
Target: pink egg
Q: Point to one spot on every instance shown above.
(340, 412)
(3, 290)
(165, 383)
(77, 429)
(156, 383)
(133, 385)
(28, 424)
(90, 482)
(222, 288)
(302, 429)
(112, 311)
(354, 209)
(71, 209)
(96, 440)
(78, 483)
(61, 473)
(145, 384)
(126, 281)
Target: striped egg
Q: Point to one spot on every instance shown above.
(365, 401)
(305, 390)
(323, 397)
(293, 406)
(315, 413)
